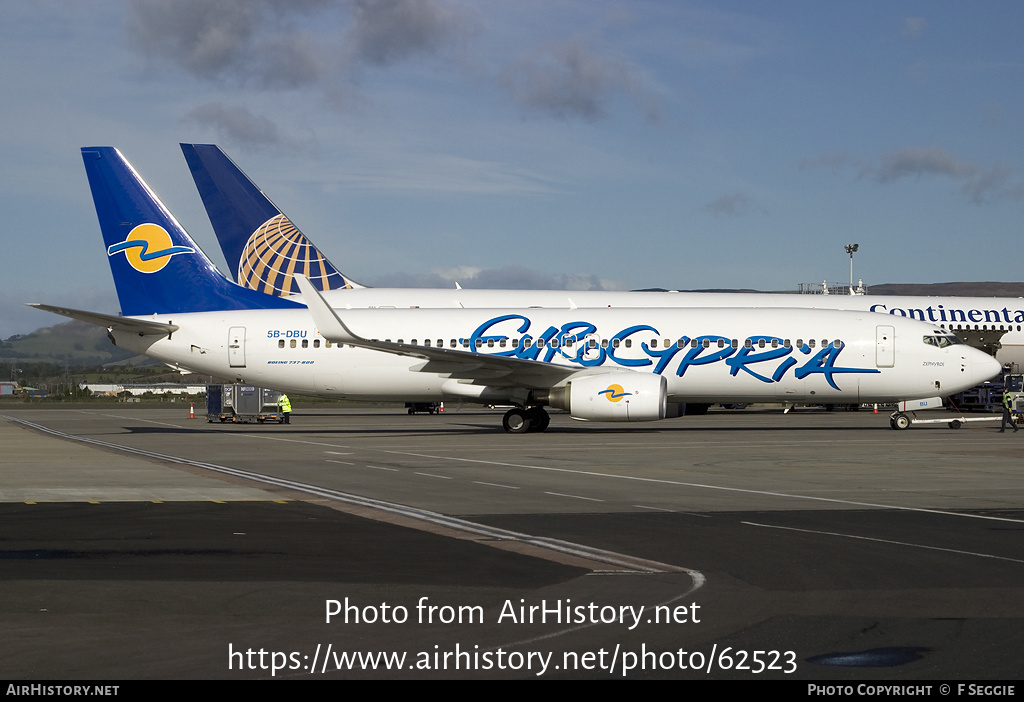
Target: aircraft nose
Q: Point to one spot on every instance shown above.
(982, 367)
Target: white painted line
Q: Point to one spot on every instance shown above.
(704, 486)
(575, 497)
(507, 487)
(886, 541)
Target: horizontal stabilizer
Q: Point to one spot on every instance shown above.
(110, 321)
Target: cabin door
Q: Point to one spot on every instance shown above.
(236, 347)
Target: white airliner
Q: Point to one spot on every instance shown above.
(600, 364)
(266, 249)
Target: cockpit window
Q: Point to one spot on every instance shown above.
(941, 340)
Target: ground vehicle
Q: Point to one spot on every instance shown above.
(242, 403)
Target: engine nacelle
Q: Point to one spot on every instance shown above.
(616, 397)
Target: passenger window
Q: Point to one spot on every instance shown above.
(316, 343)
(748, 344)
(707, 343)
(280, 344)
(305, 343)
(292, 344)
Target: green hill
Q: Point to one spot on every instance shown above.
(74, 343)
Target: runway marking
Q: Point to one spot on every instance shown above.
(507, 487)
(575, 497)
(674, 511)
(344, 463)
(886, 541)
(393, 470)
(431, 475)
(703, 486)
(148, 421)
(487, 533)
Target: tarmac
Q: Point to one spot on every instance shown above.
(367, 543)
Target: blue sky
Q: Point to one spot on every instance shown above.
(554, 143)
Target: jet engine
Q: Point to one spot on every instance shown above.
(613, 397)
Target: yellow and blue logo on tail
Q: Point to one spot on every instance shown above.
(148, 248)
(157, 267)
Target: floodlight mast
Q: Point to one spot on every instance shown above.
(852, 249)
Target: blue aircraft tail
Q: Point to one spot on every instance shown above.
(157, 267)
(262, 244)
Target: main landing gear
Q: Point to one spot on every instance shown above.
(520, 421)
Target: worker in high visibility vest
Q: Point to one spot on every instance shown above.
(286, 408)
(1007, 412)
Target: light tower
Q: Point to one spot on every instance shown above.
(852, 249)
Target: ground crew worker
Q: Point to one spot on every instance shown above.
(286, 408)
(1007, 414)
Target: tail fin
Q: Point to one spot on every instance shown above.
(157, 268)
(262, 244)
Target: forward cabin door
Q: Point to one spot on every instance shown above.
(885, 346)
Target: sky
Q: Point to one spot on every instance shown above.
(539, 143)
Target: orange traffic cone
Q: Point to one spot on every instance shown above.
(191, 411)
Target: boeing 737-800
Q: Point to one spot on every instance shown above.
(600, 364)
(266, 250)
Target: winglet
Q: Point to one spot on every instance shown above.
(325, 318)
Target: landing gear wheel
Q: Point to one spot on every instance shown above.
(955, 424)
(900, 421)
(516, 421)
(539, 418)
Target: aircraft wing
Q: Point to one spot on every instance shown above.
(111, 322)
(475, 368)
